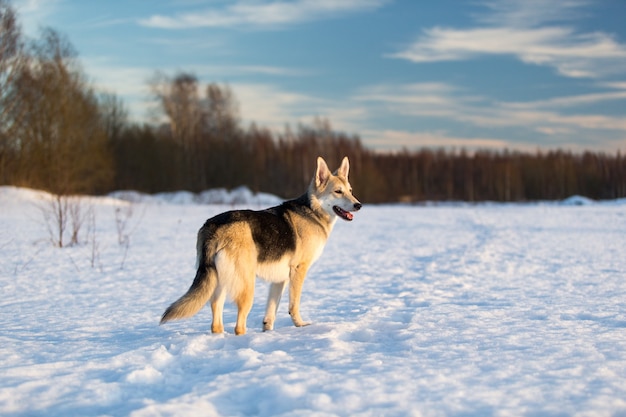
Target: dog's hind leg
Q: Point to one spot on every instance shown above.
(217, 308)
(243, 278)
(244, 301)
(273, 299)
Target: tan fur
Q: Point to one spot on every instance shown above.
(228, 258)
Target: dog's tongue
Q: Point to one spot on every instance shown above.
(346, 215)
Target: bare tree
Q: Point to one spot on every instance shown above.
(113, 114)
(79, 212)
(12, 61)
(92, 238)
(205, 129)
(64, 217)
(179, 100)
(62, 144)
(55, 213)
(221, 116)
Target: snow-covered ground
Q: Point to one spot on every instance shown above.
(485, 310)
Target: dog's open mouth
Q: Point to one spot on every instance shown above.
(346, 215)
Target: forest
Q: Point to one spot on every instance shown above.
(59, 134)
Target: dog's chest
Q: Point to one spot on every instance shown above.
(275, 271)
(279, 270)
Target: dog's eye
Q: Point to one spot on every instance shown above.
(339, 191)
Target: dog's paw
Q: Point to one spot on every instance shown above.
(268, 325)
(303, 324)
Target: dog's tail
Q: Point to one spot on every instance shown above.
(198, 294)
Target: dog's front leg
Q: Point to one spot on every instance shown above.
(296, 280)
(273, 299)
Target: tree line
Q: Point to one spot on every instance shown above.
(59, 134)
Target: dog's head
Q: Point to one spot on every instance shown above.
(333, 191)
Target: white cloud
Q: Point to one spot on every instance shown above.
(517, 28)
(268, 70)
(615, 85)
(531, 13)
(426, 98)
(262, 14)
(571, 101)
(434, 100)
(32, 12)
(41, 7)
(271, 107)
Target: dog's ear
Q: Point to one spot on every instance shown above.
(343, 170)
(322, 174)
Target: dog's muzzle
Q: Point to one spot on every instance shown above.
(344, 214)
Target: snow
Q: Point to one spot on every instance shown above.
(468, 310)
(239, 195)
(577, 200)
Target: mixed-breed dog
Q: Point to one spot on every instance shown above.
(278, 244)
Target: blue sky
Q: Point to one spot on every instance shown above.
(520, 74)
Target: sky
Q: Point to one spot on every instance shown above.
(479, 74)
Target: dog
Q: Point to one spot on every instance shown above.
(278, 244)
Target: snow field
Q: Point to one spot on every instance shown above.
(488, 310)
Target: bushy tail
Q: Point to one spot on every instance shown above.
(195, 298)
